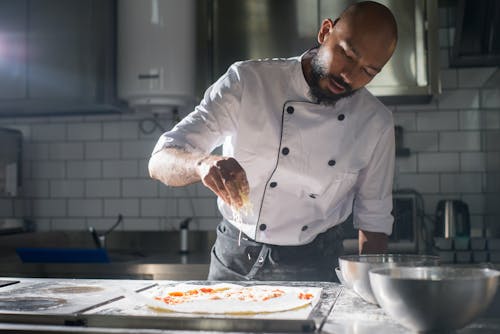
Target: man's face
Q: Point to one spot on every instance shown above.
(321, 77)
(345, 61)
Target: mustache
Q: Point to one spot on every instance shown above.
(339, 81)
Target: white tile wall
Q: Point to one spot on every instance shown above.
(470, 119)
(49, 208)
(48, 132)
(66, 188)
(102, 150)
(432, 120)
(35, 151)
(407, 164)
(48, 169)
(423, 183)
(127, 207)
(142, 224)
(474, 77)
(491, 119)
(82, 171)
(120, 130)
(462, 183)
(35, 188)
(6, 207)
(493, 182)
(449, 78)
(473, 162)
(69, 224)
(443, 162)
(493, 160)
(159, 207)
(102, 188)
(84, 131)
(422, 141)
(66, 151)
(460, 141)
(140, 188)
(459, 99)
(120, 169)
(490, 98)
(83, 207)
(456, 141)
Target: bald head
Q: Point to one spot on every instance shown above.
(372, 20)
(352, 50)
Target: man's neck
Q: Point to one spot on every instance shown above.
(306, 65)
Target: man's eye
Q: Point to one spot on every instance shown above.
(346, 55)
(371, 75)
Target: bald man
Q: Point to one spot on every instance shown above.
(304, 146)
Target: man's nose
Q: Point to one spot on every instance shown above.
(347, 77)
(347, 73)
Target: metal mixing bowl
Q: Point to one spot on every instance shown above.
(355, 269)
(341, 278)
(434, 298)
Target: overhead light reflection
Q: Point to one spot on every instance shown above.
(155, 12)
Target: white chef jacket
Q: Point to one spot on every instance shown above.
(308, 165)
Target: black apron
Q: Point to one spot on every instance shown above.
(253, 260)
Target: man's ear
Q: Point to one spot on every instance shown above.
(325, 29)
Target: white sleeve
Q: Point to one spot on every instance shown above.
(211, 121)
(373, 201)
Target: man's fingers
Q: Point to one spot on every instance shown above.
(227, 179)
(234, 192)
(234, 179)
(215, 183)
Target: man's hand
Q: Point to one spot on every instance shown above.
(372, 242)
(225, 177)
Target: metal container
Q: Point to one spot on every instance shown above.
(434, 298)
(355, 269)
(342, 281)
(10, 162)
(452, 219)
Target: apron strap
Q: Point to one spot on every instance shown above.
(265, 252)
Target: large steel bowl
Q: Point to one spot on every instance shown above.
(341, 278)
(434, 298)
(355, 268)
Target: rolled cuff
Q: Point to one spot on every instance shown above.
(169, 139)
(373, 215)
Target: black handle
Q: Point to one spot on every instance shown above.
(184, 224)
(95, 237)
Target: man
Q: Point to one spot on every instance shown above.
(304, 142)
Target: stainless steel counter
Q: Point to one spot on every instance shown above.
(352, 315)
(148, 271)
(344, 312)
(140, 255)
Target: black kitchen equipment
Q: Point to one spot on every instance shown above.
(7, 282)
(100, 239)
(10, 179)
(10, 161)
(452, 219)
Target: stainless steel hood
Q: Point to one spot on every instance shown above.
(283, 28)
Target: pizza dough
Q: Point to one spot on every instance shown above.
(228, 298)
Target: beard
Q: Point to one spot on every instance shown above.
(319, 71)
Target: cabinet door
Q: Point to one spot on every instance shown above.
(13, 23)
(61, 60)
